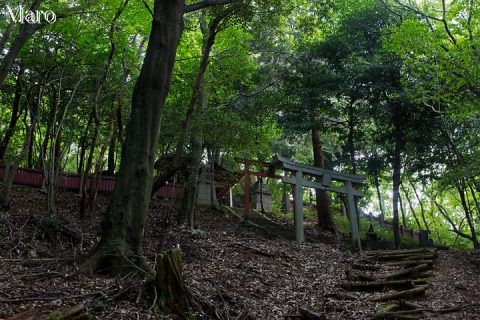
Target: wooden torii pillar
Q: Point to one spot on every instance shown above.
(321, 179)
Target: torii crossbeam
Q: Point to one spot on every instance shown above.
(300, 176)
(318, 178)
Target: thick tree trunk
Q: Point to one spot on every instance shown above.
(397, 167)
(16, 113)
(120, 248)
(325, 220)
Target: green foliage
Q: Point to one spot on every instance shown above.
(198, 233)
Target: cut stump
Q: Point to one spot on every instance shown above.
(170, 286)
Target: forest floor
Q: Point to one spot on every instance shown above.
(232, 270)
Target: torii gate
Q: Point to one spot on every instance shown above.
(321, 179)
(297, 175)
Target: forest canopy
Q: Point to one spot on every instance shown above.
(382, 88)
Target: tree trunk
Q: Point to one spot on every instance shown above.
(404, 220)
(191, 191)
(471, 224)
(44, 145)
(111, 156)
(121, 90)
(81, 164)
(16, 113)
(187, 122)
(211, 161)
(351, 135)
(95, 116)
(397, 167)
(325, 220)
(187, 209)
(30, 149)
(10, 175)
(6, 35)
(454, 229)
(25, 31)
(379, 196)
(120, 248)
(99, 164)
(411, 207)
(459, 156)
(422, 209)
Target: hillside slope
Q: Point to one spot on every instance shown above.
(232, 271)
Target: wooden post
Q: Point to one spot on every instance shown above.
(299, 232)
(352, 214)
(230, 196)
(246, 194)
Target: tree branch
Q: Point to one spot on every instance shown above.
(207, 3)
(444, 213)
(417, 11)
(148, 8)
(445, 24)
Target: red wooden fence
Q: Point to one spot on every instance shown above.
(71, 182)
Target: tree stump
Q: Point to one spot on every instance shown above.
(169, 284)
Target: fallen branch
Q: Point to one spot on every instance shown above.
(396, 252)
(402, 294)
(396, 314)
(409, 263)
(377, 284)
(411, 272)
(310, 315)
(365, 266)
(356, 275)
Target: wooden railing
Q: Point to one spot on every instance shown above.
(71, 182)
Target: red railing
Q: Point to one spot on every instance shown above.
(71, 182)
